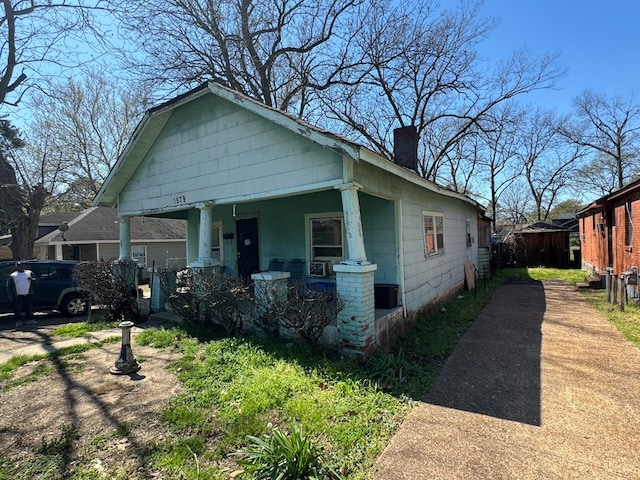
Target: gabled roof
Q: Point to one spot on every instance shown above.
(156, 118)
(57, 218)
(99, 224)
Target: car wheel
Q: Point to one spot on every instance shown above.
(74, 305)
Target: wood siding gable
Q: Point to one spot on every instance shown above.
(214, 151)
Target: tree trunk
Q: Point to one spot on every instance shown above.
(21, 210)
(24, 227)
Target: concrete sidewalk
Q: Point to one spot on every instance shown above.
(45, 348)
(541, 387)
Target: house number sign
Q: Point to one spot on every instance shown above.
(179, 199)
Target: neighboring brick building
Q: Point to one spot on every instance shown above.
(607, 235)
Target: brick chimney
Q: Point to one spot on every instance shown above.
(405, 147)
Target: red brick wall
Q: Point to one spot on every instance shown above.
(626, 254)
(593, 244)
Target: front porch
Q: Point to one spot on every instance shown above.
(321, 242)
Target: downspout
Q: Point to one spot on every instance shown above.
(400, 246)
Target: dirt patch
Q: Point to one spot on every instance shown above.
(116, 416)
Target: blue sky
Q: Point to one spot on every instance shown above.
(598, 42)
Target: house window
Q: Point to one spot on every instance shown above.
(139, 255)
(216, 242)
(469, 236)
(326, 238)
(433, 233)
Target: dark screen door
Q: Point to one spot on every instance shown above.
(247, 245)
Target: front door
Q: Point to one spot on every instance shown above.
(247, 245)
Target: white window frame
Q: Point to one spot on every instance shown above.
(438, 247)
(220, 248)
(136, 256)
(309, 218)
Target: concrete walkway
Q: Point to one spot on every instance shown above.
(34, 337)
(541, 387)
(45, 348)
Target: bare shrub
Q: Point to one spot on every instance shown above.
(305, 311)
(227, 300)
(207, 296)
(110, 285)
(179, 289)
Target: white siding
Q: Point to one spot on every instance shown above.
(212, 150)
(425, 278)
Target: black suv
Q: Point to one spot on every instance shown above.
(54, 288)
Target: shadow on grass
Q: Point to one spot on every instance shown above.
(52, 456)
(416, 361)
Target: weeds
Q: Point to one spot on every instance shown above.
(53, 458)
(284, 456)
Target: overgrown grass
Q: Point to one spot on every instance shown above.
(627, 322)
(238, 389)
(80, 329)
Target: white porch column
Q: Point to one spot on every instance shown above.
(59, 255)
(204, 238)
(353, 223)
(125, 238)
(355, 281)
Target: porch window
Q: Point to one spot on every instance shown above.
(433, 233)
(326, 235)
(139, 255)
(216, 242)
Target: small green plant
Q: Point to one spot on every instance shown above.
(284, 457)
(390, 370)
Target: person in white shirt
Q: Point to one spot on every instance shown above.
(19, 292)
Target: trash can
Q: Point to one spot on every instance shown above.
(385, 295)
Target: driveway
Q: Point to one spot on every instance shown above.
(541, 387)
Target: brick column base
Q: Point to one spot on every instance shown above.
(356, 320)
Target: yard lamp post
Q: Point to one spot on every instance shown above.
(126, 362)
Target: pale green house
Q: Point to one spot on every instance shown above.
(262, 191)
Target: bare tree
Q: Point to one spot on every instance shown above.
(38, 40)
(598, 176)
(277, 51)
(498, 162)
(87, 121)
(28, 174)
(38, 35)
(424, 71)
(549, 162)
(610, 127)
(516, 205)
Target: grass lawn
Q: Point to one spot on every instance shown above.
(240, 391)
